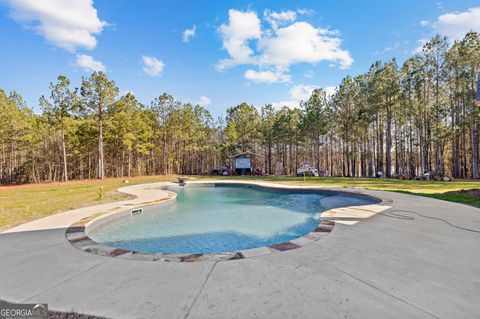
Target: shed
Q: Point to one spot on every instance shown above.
(247, 163)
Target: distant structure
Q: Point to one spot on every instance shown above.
(246, 163)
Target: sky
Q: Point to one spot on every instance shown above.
(215, 53)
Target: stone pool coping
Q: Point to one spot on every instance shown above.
(77, 233)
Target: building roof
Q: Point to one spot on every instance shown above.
(246, 153)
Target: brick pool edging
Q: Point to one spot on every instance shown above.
(77, 236)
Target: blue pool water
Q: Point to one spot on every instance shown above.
(215, 219)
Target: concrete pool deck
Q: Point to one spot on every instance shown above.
(388, 262)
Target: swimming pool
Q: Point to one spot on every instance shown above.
(206, 219)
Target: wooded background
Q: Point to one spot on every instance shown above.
(402, 120)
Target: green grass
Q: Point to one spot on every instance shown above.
(24, 203)
(369, 183)
(456, 198)
(19, 204)
(440, 190)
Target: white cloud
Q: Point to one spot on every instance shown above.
(424, 23)
(302, 92)
(279, 18)
(241, 27)
(420, 45)
(287, 42)
(292, 104)
(69, 24)
(395, 46)
(330, 90)
(277, 76)
(88, 63)
(302, 42)
(456, 24)
(204, 101)
(152, 66)
(188, 34)
(309, 74)
(305, 11)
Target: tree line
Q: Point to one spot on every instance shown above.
(401, 120)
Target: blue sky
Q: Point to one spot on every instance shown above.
(257, 52)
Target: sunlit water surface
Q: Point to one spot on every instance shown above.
(215, 219)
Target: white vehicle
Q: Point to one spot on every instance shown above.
(307, 170)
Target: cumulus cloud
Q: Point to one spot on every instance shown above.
(277, 76)
(152, 66)
(279, 18)
(204, 101)
(69, 24)
(302, 92)
(242, 27)
(188, 34)
(292, 104)
(88, 63)
(456, 24)
(285, 43)
(302, 42)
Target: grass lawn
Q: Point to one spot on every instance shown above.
(450, 191)
(19, 204)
